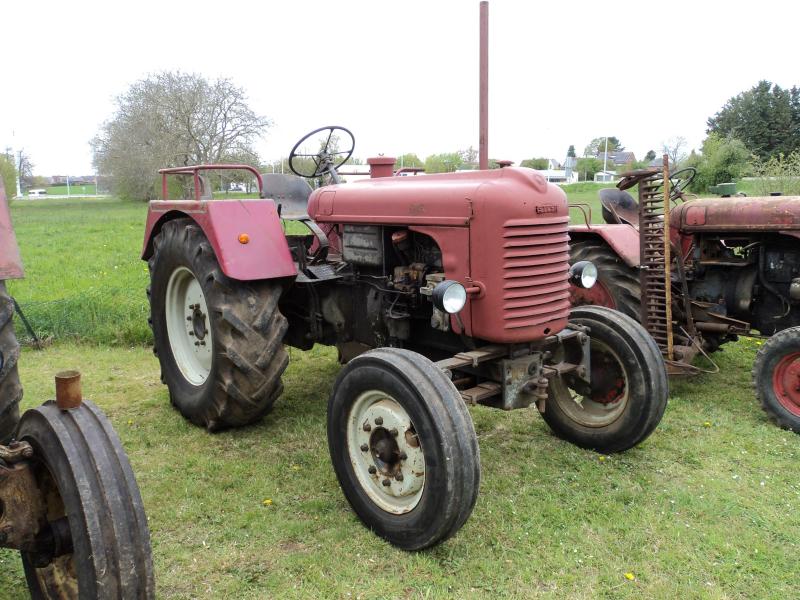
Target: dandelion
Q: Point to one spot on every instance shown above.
(601, 458)
(630, 576)
(267, 502)
(707, 424)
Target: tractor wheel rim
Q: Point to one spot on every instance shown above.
(188, 326)
(786, 382)
(385, 452)
(604, 405)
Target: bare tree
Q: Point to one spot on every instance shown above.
(675, 149)
(173, 119)
(25, 168)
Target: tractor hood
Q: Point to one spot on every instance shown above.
(10, 261)
(772, 213)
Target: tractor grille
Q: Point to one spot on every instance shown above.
(535, 271)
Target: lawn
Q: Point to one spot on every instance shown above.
(74, 190)
(708, 506)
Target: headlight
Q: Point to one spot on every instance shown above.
(583, 273)
(449, 296)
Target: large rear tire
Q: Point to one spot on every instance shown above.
(617, 284)
(628, 393)
(219, 341)
(776, 378)
(10, 386)
(91, 497)
(403, 447)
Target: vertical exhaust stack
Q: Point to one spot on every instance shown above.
(68, 390)
(483, 127)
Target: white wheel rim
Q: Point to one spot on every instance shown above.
(188, 326)
(378, 426)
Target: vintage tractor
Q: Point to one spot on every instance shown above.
(438, 291)
(723, 268)
(68, 499)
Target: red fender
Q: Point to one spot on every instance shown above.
(623, 239)
(10, 261)
(266, 254)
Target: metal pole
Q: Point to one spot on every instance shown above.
(483, 127)
(605, 160)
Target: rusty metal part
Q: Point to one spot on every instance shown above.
(667, 255)
(22, 512)
(482, 391)
(68, 390)
(472, 358)
(15, 452)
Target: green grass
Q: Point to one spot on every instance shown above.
(697, 511)
(74, 190)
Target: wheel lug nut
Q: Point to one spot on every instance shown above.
(399, 477)
(403, 456)
(367, 427)
(188, 318)
(364, 447)
(379, 421)
(393, 431)
(372, 470)
(191, 333)
(386, 483)
(202, 342)
(197, 343)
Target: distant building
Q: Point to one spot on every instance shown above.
(617, 158)
(605, 176)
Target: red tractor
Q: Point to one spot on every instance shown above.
(438, 292)
(68, 498)
(724, 267)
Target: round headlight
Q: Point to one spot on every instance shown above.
(449, 296)
(583, 274)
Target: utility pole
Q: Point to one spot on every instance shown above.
(605, 159)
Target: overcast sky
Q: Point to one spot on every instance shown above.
(403, 76)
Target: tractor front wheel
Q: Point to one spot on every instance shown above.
(617, 284)
(219, 341)
(98, 540)
(628, 392)
(403, 447)
(776, 378)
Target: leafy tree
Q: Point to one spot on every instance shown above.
(723, 159)
(444, 163)
(173, 119)
(409, 160)
(535, 163)
(766, 118)
(587, 167)
(650, 156)
(8, 173)
(598, 145)
(571, 151)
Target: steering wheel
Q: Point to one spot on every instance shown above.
(326, 159)
(680, 180)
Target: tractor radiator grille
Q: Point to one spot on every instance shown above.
(535, 271)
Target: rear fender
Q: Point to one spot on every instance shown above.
(266, 254)
(10, 261)
(623, 239)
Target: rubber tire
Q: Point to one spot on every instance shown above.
(776, 347)
(621, 281)
(111, 542)
(445, 430)
(10, 386)
(647, 384)
(246, 326)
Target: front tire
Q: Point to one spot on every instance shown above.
(617, 284)
(91, 496)
(10, 386)
(776, 378)
(403, 447)
(219, 341)
(628, 393)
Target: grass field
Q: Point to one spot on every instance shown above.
(74, 190)
(708, 507)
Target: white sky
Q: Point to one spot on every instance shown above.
(403, 75)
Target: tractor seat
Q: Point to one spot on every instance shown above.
(619, 207)
(289, 192)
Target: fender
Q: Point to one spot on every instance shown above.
(623, 239)
(265, 256)
(10, 261)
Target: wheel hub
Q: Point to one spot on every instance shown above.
(385, 452)
(188, 326)
(786, 382)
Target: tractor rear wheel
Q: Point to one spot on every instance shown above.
(99, 543)
(776, 378)
(628, 392)
(10, 386)
(403, 447)
(617, 284)
(219, 341)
